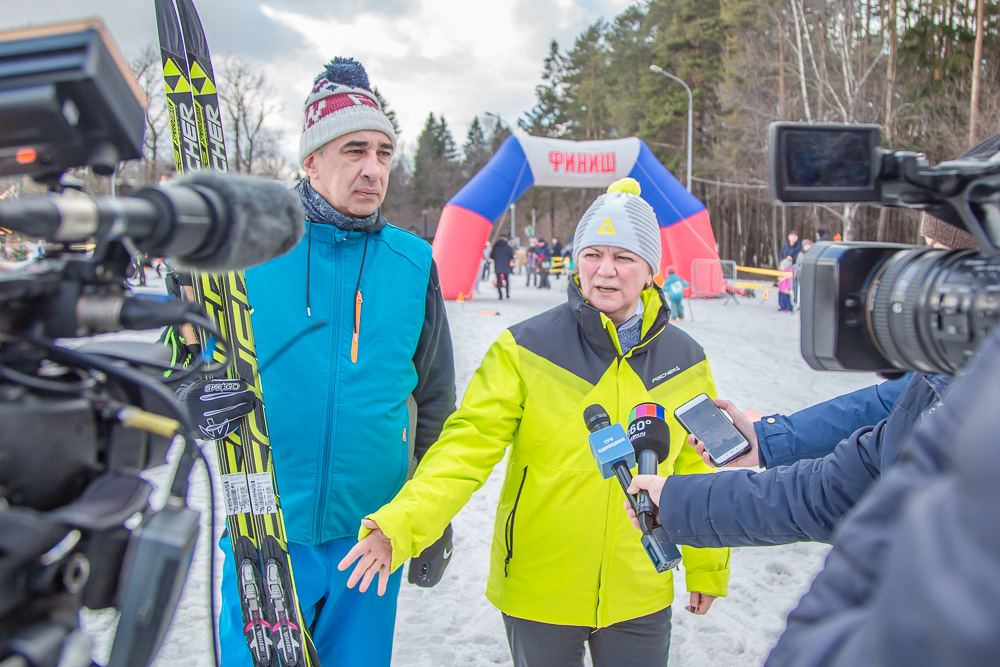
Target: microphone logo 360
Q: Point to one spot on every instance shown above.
(637, 426)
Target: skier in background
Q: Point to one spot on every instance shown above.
(356, 357)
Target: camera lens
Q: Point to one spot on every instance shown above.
(928, 309)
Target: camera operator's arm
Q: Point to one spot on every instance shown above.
(912, 578)
(815, 431)
(801, 502)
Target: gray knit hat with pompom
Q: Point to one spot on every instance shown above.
(623, 219)
(341, 102)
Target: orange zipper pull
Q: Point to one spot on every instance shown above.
(357, 328)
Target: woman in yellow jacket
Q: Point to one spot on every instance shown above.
(567, 567)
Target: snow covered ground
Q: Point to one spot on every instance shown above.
(754, 353)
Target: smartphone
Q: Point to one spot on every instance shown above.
(705, 421)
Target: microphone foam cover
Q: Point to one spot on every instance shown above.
(649, 430)
(265, 220)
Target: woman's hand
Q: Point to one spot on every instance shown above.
(700, 603)
(375, 552)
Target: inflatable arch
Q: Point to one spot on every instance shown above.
(464, 228)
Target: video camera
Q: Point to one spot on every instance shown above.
(79, 422)
(882, 306)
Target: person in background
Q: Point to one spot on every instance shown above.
(544, 254)
(567, 252)
(503, 259)
(556, 247)
(567, 570)
(520, 259)
(357, 366)
(821, 235)
(807, 244)
(557, 265)
(792, 247)
(674, 287)
(785, 286)
(531, 267)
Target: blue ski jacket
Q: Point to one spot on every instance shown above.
(357, 371)
(801, 502)
(815, 431)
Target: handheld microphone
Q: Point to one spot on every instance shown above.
(615, 456)
(207, 221)
(650, 436)
(611, 448)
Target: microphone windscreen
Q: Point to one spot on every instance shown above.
(265, 220)
(648, 429)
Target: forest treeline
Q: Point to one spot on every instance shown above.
(925, 70)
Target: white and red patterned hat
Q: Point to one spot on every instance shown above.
(341, 102)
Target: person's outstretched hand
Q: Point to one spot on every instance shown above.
(375, 552)
(651, 483)
(744, 425)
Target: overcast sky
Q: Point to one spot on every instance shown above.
(458, 58)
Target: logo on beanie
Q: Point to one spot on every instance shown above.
(607, 228)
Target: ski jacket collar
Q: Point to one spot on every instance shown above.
(319, 210)
(598, 327)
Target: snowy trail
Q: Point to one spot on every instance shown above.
(754, 354)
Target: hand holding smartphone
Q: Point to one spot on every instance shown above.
(701, 418)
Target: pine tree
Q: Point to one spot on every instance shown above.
(546, 118)
(390, 114)
(476, 149)
(436, 167)
(586, 103)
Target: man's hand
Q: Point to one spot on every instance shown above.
(375, 552)
(744, 425)
(700, 603)
(651, 483)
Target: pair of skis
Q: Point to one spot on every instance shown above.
(272, 624)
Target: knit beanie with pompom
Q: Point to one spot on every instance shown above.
(623, 219)
(341, 102)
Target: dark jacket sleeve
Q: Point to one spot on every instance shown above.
(434, 360)
(814, 432)
(801, 502)
(913, 575)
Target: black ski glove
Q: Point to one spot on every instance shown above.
(427, 568)
(216, 406)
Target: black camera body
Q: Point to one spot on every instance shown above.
(890, 307)
(78, 423)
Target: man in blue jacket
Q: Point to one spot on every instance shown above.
(356, 367)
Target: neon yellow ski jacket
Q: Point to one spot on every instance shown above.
(564, 551)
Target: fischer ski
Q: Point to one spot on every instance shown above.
(272, 624)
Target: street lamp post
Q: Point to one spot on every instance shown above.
(657, 68)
